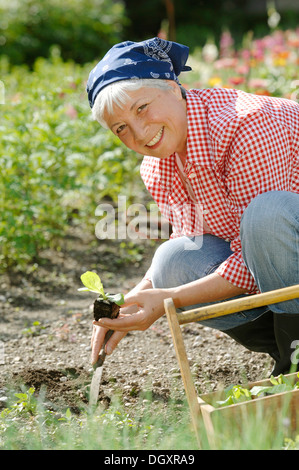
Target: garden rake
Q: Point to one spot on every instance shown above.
(176, 319)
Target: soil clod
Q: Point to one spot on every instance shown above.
(105, 308)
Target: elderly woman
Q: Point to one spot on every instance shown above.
(223, 166)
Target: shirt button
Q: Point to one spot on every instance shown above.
(192, 175)
(205, 211)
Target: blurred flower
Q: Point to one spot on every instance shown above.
(293, 42)
(274, 19)
(162, 34)
(243, 69)
(265, 66)
(225, 63)
(71, 112)
(279, 60)
(258, 83)
(226, 44)
(215, 81)
(209, 52)
(262, 92)
(236, 80)
(17, 98)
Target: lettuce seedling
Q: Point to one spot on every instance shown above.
(106, 305)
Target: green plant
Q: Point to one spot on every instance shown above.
(34, 330)
(237, 394)
(291, 444)
(57, 164)
(93, 283)
(28, 425)
(83, 29)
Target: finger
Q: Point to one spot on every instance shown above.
(114, 341)
(131, 299)
(129, 310)
(97, 341)
(98, 335)
(124, 323)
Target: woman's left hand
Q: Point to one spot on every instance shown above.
(150, 307)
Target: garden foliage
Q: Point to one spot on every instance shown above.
(83, 30)
(57, 164)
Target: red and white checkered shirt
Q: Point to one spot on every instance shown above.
(239, 145)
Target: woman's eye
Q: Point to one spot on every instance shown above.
(120, 129)
(141, 108)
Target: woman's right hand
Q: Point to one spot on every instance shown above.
(99, 332)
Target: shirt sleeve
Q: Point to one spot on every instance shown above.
(260, 159)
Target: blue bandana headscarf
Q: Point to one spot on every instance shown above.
(153, 58)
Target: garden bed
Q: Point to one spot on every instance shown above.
(45, 328)
(277, 409)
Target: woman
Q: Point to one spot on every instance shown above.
(223, 166)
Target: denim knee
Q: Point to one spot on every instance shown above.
(270, 242)
(185, 259)
(168, 267)
(270, 223)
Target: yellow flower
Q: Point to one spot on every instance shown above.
(279, 61)
(215, 81)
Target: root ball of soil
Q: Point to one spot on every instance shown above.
(104, 308)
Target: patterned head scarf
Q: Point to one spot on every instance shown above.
(153, 58)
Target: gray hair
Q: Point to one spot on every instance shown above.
(117, 94)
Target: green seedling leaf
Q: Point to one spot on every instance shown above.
(235, 394)
(92, 283)
(279, 388)
(118, 299)
(258, 390)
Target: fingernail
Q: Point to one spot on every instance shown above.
(108, 350)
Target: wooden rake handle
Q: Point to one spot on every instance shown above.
(238, 305)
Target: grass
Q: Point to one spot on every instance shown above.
(26, 424)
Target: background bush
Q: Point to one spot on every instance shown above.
(57, 164)
(84, 30)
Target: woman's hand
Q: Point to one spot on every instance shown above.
(150, 306)
(99, 332)
(140, 310)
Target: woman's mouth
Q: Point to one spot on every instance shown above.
(155, 141)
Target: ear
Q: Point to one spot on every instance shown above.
(175, 88)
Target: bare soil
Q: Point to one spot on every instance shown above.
(45, 329)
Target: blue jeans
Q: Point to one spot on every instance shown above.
(270, 247)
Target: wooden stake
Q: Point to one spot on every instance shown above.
(184, 365)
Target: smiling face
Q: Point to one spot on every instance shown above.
(153, 121)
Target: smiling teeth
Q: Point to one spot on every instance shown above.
(156, 139)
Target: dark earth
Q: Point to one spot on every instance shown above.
(45, 330)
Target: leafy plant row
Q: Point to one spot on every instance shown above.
(57, 164)
(238, 394)
(83, 30)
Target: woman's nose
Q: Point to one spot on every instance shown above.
(139, 131)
